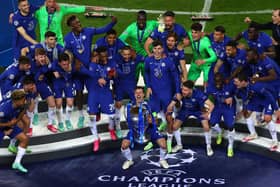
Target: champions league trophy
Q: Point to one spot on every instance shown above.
(137, 124)
(161, 25)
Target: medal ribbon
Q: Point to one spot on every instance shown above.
(140, 37)
(78, 41)
(196, 48)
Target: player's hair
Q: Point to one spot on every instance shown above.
(126, 48)
(277, 9)
(139, 88)
(196, 27)
(253, 50)
(50, 34)
(169, 13)
(189, 84)
(101, 49)
(232, 43)
(111, 31)
(172, 34)
(17, 95)
(24, 60)
(156, 43)
(70, 20)
(63, 57)
(19, 1)
(28, 79)
(142, 13)
(40, 51)
(220, 28)
(242, 76)
(253, 26)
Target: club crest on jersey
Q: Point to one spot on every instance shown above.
(16, 23)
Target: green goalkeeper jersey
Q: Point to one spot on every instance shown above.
(137, 38)
(202, 49)
(53, 22)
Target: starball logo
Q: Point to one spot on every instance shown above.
(159, 177)
(174, 160)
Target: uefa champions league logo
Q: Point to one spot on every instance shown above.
(160, 177)
(185, 156)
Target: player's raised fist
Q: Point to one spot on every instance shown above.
(114, 19)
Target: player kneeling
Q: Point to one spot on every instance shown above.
(141, 123)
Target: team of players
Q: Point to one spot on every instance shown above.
(54, 72)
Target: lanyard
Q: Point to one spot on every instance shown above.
(112, 50)
(140, 37)
(196, 48)
(50, 18)
(158, 73)
(102, 68)
(78, 41)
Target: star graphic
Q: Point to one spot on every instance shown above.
(144, 157)
(188, 160)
